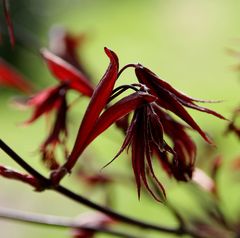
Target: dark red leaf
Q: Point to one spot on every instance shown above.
(169, 88)
(16, 175)
(136, 157)
(44, 101)
(67, 45)
(67, 73)
(168, 100)
(59, 125)
(11, 78)
(9, 22)
(173, 105)
(202, 109)
(119, 110)
(141, 140)
(184, 148)
(123, 123)
(98, 101)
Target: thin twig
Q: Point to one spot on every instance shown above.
(56, 221)
(43, 180)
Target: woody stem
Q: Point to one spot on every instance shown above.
(84, 201)
(56, 221)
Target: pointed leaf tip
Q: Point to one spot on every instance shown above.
(97, 103)
(107, 51)
(112, 55)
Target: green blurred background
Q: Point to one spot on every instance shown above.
(185, 42)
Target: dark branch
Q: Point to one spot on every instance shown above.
(84, 201)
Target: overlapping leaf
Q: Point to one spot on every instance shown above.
(97, 103)
(65, 72)
(173, 100)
